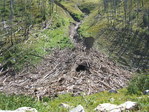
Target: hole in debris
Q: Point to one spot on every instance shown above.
(81, 68)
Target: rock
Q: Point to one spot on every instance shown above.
(139, 97)
(26, 109)
(146, 92)
(107, 107)
(142, 97)
(45, 104)
(112, 91)
(111, 100)
(22, 109)
(65, 106)
(128, 105)
(79, 108)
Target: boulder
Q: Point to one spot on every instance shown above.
(111, 100)
(146, 92)
(112, 91)
(79, 108)
(129, 105)
(65, 106)
(22, 109)
(107, 107)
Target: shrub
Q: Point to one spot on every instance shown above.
(138, 84)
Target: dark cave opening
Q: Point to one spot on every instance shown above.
(81, 68)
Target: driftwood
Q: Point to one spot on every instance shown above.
(59, 75)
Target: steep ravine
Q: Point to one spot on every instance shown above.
(73, 28)
(84, 43)
(68, 71)
(73, 34)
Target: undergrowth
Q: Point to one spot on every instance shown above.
(138, 84)
(11, 102)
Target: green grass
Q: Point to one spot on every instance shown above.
(76, 7)
(73, 9)
(88, 102)
(88, 5)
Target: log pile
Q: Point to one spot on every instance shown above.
(68, 71)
